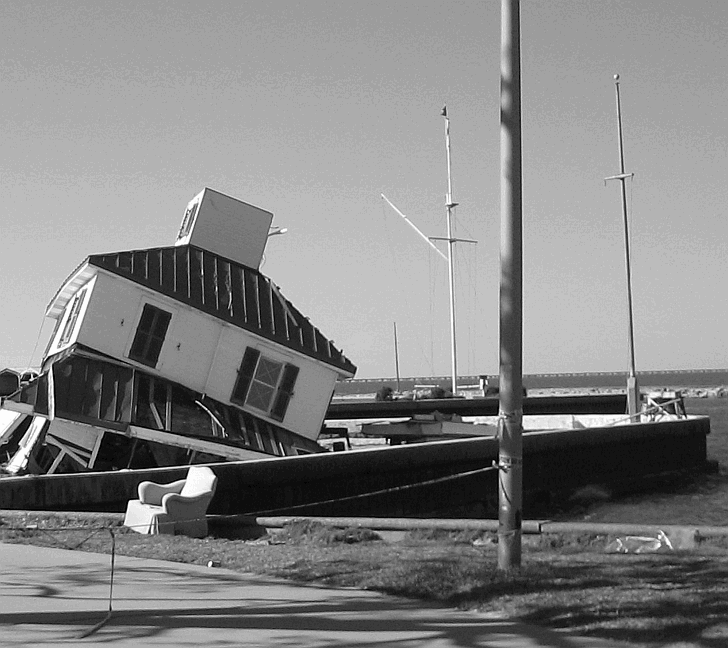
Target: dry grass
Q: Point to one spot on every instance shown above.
(675, 599)
(565, 582)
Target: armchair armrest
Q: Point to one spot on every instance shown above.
(151, 493)
(182, 507)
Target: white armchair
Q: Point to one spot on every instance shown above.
(177, 508)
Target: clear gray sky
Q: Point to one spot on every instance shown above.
(115, 113)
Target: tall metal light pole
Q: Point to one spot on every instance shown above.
(510, 416)
(633, 390)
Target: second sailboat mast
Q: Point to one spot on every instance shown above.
(450, 242)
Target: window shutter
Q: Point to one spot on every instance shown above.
(285, 392)
(245, 375)
(150, 335)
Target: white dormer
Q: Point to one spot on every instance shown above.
(226, 226)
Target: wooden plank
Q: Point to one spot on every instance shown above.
(225, 289)
(92, 389)
(109, 391)
(154, 267)
(62, 385)
(139, 265)
(167, 273)
(182, 273)
(124, 395)
(265, 305)
(196, 279)
(280, 319)
(252, 311)
(209, 282)
(78, 385)
(124, 261)
(237, 284)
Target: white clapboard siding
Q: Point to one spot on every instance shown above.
(200, 351)
(315, 382)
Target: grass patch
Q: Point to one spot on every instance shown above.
(313, 532)
(566, 582)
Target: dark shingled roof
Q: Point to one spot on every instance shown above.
(226, 290)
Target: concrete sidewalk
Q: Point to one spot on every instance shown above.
(51, 597)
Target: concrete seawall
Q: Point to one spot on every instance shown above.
(436, 479)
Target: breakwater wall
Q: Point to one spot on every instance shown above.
(438, 479)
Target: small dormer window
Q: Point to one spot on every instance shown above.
(72, 318)
(188, 219)
(264, 384)
(150, 334)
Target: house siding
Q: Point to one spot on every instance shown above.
(314, 385)
(199, 351)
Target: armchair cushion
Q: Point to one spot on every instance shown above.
(151, 493)
(177, 508)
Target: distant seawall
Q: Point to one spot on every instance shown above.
(681, 379)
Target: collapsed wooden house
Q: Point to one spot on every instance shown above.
(174, 355)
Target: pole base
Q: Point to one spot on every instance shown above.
(634, 400)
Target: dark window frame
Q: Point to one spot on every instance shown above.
(150, 335)
(254, 384)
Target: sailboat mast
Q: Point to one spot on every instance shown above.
(633, 390)
(396, 355)
(451, 240)
(450, 205)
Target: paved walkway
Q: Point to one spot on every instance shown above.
(51, 597)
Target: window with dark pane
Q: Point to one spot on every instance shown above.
(188, 219)
(264, 384)
(72, 318)
(150, 335)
